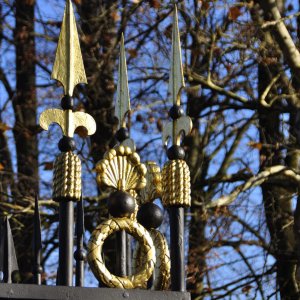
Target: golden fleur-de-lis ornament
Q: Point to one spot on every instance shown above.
(68, 121)
(69, 71)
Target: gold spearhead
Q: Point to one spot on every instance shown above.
(176, 82)
(68, 66)
(123, 100)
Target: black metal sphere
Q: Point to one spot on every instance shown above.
(150, 215)
(80, 255)
(175, 152)
(66, 144)
(67, 102)
(122, 134)
(176, 112)
(16, 277)
(120, 204)
(38, 269)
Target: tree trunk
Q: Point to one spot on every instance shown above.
(197, 224)
(277, 198)
(99, 51)
(25, 129)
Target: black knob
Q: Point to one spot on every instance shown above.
(150, 215)
(67, 102)
(80, 255)
(38, 269)
(176, 112)
(121, 204)
(66, 144)
(175, 152)
(122, 134)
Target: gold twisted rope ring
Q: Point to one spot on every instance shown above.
(96, 262)
(162, 266)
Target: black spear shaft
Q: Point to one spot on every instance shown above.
(128, 254)
(79, 253)
(37, 244)
(121, 259)
(65, 263)
(121, 236)
(176, 215)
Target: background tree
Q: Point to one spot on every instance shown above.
(241, 65)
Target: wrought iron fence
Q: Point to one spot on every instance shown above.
(134, 186)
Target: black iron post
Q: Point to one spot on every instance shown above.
(120, 205)
(37, 245)
(176, 174)
(121, 253)
(79, 253)
(128, 255)
(176, 196)
(151, 217)
(66, 211)
(176, 215)
(65, 263)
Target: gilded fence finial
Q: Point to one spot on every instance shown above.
(68, 66)
(69, 70)
(175, 174)
(176, 82)
(123, 99)
(179, 123)
(122, 105)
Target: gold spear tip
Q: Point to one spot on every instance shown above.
(68, 67)
(176, 82)
(122, 106)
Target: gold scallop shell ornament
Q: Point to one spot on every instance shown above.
(121, 169)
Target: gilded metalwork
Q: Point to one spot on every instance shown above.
(153, 188)
(121, 169)
(184, 124)
(69, 70)
(68, 66)
(174, 129)
(122, 106)
(68, 121)
(96, 262)
(176, 82)
(177, 186)
(163, 264)
(67, 177)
